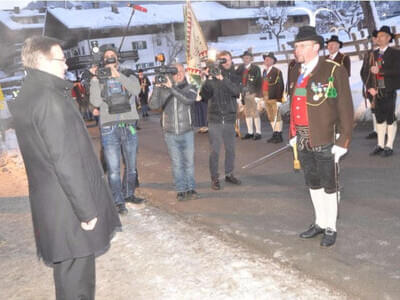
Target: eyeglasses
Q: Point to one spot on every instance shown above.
(60, 59)
(301, 46)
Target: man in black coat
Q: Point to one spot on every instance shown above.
(386, 77)
(366, 76)
(74, 217)
(221, 92)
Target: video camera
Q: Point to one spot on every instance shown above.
(214, 68)
(162, 71)
(103, 72)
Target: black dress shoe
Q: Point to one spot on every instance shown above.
(371, 135)
(387, 152)
(181, 196)
(377, 151)
(135, 200)
(122, 210)
(257, 136)
(329, 238)
(191, 195)
(215, 185)
(278, 138)
(272, 138)
(232, 179)
(313, 231)
(248, 136)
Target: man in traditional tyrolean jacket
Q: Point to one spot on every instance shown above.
(251, 86)
(333, 45)
(272, 93)
(386, 76)
(321, 108)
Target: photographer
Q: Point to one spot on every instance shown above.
(221, 91)
(110, 91)
(175, 98)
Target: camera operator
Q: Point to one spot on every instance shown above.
(110, 91)
(175, 98)
(221, 92)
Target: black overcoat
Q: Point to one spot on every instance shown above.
(66, 182)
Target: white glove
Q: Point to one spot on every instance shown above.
(338, 152)
(293, 141)
(257, 99)
(278, 104)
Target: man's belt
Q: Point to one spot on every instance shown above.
(303, 140)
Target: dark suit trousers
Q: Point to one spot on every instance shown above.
(75, 279)
(385, 108)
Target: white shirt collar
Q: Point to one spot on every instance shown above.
(333, 56)
(267, 70)
(310, 66)
(248, 66)
(383, 50)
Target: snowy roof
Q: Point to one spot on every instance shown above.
(6, 19)
(156, 14)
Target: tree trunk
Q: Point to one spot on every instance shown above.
(369, 20)
(277, 42)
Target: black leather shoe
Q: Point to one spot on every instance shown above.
(122, 210)
(232, 179)
(181, 196)
(387, 152)
(257, 136)
(329, 238)
(135, 200)
(272, 138)
(191, 195)
(215, 185)
(377, 151)
(248, 136)
(313, 231)
(371, 135)
(278, 138)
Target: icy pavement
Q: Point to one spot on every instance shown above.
(157, 256)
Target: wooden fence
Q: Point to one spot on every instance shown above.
(361, 46)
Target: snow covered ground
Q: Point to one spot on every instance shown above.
(157, 256)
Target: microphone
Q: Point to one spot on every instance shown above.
(138, 7)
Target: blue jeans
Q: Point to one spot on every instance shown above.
(181, 151)
(116, 139)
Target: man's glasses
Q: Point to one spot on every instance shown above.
(60, 59)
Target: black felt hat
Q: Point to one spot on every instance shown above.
(247, 53)
(308, 33)
(271, 55)
(386, 29)
(335, 38)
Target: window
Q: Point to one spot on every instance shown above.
(83, 51)
(139, 45)
(158, 42)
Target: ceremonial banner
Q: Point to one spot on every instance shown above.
(2, 106)
(196, 45)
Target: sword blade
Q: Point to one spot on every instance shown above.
(265, 157)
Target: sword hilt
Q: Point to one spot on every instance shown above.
(296, 162)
